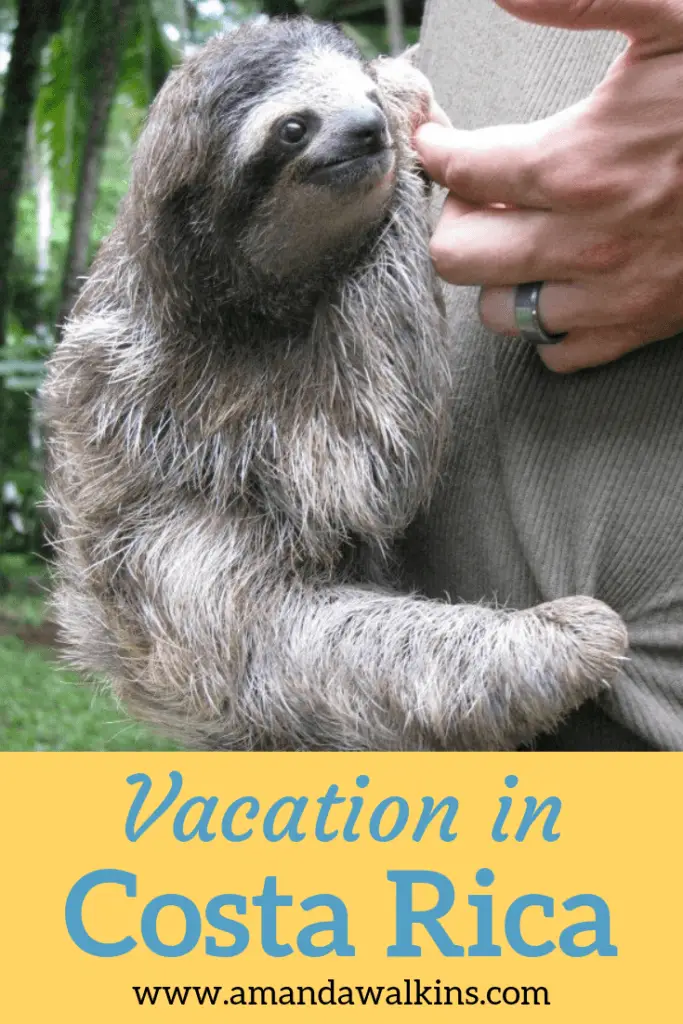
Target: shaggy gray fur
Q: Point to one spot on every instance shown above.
(248, 408)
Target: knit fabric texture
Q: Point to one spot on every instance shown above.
(555, 485)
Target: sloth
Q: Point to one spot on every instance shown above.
(246, 412)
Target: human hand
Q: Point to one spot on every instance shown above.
(589, 201)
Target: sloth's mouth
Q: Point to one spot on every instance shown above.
(355, 170)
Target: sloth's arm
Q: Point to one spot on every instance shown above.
(362, 669)
(241, 654)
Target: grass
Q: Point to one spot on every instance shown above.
(43, 706)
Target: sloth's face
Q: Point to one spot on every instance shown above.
(278, 145)
(324, 146)
(324, 129)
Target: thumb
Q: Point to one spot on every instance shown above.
(635, 18)
(488, 165)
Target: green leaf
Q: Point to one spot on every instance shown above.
(148, 57)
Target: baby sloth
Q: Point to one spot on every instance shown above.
(248, 408)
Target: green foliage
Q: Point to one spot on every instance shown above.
(20, 570)
(150, 54)
(61, 116)
(20, 521)
(124, 127)
(21, 484)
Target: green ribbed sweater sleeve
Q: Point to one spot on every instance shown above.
(555, 485)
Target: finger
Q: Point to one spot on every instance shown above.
(454, 208)
(632, 17)
(562, 306)
(503, 247)
(489, 165)
(587, 348)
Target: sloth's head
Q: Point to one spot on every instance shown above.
(275, 147)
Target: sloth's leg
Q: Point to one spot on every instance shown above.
(358, 669)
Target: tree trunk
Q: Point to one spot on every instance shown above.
(42, 184)
(112, 29)
(394, 17)
(36, 22)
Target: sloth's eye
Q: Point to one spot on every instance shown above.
(293, 131)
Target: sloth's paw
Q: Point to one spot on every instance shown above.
(407, 91)
(590, 641)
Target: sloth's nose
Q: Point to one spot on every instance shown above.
(363, 131)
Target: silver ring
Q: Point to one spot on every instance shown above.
(527, 317)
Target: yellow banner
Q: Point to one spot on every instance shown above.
(206, 887)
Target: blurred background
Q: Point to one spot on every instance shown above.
(76, 79)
